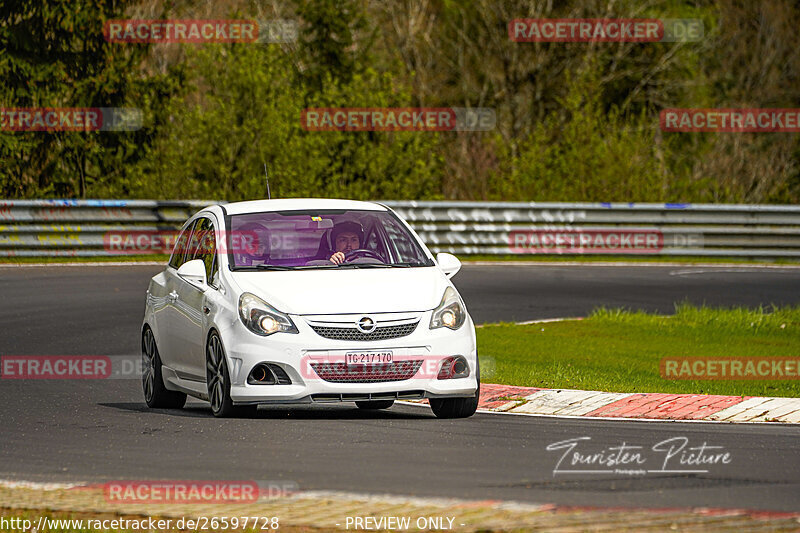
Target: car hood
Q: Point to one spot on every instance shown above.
(328, 291)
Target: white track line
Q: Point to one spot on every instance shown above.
(740, 270)
(529, 322)
(631, 264)
(34, 485)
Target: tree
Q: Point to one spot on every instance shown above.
(54, 55)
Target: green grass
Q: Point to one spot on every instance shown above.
(620, 351)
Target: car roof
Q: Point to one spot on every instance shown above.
(291, 204)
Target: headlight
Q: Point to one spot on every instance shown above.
(261, 318)
(450, 313)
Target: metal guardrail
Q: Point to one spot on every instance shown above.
(78, 227)
(722, 230)
(41, 228)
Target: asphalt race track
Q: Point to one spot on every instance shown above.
(518, 293)
(98, 310)
(100, 430)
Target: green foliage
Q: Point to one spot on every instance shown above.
(575, 121)
(248, 113)
(591, 154)
(54, 55)
(327, 41)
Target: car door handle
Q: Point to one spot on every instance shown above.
(173, 296)
(206, 309)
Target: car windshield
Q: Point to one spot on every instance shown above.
(280, 240)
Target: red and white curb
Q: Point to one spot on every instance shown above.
(649, 406)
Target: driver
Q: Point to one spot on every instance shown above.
(345, 237)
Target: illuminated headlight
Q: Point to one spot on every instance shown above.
(261, 318)
(269, 324)
(450, 313)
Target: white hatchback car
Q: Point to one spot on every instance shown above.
(307, 300)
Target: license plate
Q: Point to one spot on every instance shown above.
(368, 358)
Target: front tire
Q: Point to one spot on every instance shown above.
(454, 407)
(155, 393)
(458, 407)
(376, 404)
(219, 383)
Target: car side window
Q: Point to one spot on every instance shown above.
(204, 246)
(406, 250)
(372, 242)
(179, 252)
(213, 280)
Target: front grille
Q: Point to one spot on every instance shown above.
(342, 373)
(352, 334)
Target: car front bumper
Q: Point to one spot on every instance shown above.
(294, 353)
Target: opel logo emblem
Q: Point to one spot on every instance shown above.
(365, 324)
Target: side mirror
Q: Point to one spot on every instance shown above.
(448, 263)
(194, 272)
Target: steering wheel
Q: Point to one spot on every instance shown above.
(362, 252)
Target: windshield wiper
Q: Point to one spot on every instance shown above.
(262, 267)
(312, 267)
(345, 265)
(407, 265)
(366, 265)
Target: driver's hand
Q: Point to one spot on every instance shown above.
(337, 258)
